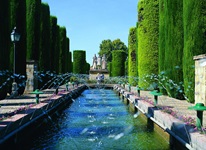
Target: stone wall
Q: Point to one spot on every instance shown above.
(200, 79)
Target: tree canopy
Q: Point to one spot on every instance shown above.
(107, 46)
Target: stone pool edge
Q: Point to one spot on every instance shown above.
(179, 130)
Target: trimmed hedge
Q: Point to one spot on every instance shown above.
(57, 51)
(4, 45)
(33, 10)
(132, 58)
(53, 43)
(62, 49)
(148, 30)
(79, 61)
(118, 63)
(161, 53)
(44, 50)
(70, 62)
(4, 35)
(18, 20)
(174, 40)
(194, 17)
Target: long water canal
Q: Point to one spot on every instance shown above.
(97, 120)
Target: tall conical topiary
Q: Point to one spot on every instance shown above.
(33, 10)
(44, 48)
(62, 49)
(161, 53)
(4, 35)
(173, 47)
(148, 30)
(79, 61)
(4, 44)
(132, 59)
(118, 63)
(18, 20)
(57, 50)
(53, 41)
(194, 18)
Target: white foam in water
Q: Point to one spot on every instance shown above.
(92, 132)
(136, 115)
(105, 122)
(84, 130)
(111, 136)
(118, 136)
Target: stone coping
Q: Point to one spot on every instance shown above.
(190, 138)
(11, 125)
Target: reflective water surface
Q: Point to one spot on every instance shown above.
(97, 120)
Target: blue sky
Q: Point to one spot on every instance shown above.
(89, 22)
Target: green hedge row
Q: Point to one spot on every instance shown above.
(132, 56)
(148, 30)
(118, 63)
(79, 62)
(194, 17)
(172, 48)
(44, 48)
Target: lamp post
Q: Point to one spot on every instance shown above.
(15, 37)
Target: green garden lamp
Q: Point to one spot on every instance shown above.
(156, 94)
(37, 92)
(129, 87)
(138, 91)
(67, 86)
(199, 107)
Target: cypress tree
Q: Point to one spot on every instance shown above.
(4, 44)
(18, 20)
(132, 59)
(57, 50)
(62, 49)
(118, 63)
(148, 30)
(4, 35)
(53, 39)
(174, 47)
(33, 10)
(79, 61)
(194, 18)
(44, 48)
(161, 53)
(69, 57)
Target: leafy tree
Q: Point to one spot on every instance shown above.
(106, 48)
(119, 45)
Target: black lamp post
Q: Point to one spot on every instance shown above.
(15, 37)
